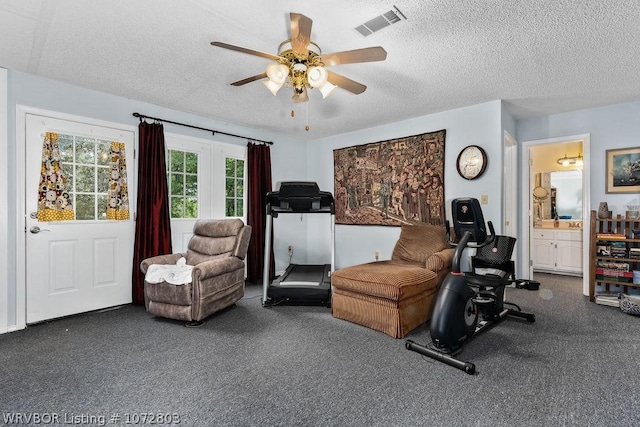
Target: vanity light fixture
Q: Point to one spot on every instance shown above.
(568, 161)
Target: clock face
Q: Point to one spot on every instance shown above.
(472, 162)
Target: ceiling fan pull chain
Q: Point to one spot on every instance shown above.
(307, 126)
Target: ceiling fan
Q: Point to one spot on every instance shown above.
(301, 61)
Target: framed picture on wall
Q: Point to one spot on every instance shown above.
(623, 170)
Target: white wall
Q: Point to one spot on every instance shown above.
(615, 126)
(475, 125)
(288, 155)
(4, 243)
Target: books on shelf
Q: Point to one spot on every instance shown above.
(613, 265)
(614, 275)
(617, 249)
(614, 249)
(614, 271)
(610, 236)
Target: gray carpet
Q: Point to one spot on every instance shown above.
(254, 366)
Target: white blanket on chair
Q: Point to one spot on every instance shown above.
(179, 274)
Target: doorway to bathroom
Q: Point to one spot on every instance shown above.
(557, 221)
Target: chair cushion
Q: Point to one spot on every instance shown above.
(213, 238)
(218, 227)
(385, 279)
(418, 242)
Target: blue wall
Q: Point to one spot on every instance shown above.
(476, 125)
(610, 127)
(614, 126)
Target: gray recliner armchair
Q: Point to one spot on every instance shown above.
(216, 251)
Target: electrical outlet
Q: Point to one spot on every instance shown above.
(377, 255)
(484, 199)
(290, 249)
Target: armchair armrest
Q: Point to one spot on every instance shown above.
(440, 260)
(160, 259)
(216, 267)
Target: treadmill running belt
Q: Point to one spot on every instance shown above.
(310, 274)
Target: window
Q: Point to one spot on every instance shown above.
(182, 176)
(85, 162)
(234, 187)
(206, 179)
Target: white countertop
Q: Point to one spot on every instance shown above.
(565, 224)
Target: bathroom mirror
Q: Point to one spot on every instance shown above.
(568, 189)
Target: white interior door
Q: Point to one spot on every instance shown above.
(84, 264)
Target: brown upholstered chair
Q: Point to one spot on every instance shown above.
(216, 251)
(397, 295)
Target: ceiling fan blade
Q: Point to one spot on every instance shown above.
(245, 50)
(368, 54)
(250, 79)
(300, 33)
(345, 83)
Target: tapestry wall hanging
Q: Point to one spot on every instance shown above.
(393, 182)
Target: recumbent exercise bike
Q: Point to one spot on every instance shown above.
(469, 303)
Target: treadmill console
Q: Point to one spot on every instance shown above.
(300, 196)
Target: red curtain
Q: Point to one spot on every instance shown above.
(259, 170)
(153, 227)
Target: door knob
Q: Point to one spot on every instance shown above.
(35, 229)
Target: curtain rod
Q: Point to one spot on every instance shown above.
(142, 116)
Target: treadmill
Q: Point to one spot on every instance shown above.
(300, 284)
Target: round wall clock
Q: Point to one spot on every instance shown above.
(472, 161)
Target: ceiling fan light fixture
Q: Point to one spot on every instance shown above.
(326, 89)
(277, 73)
(273, 86)
(300, 97)
(317, 76)
(299, 67)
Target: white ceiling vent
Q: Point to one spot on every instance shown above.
(380, 22)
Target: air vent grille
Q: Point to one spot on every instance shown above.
(391, 17)
(380, 22)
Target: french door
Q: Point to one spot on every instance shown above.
(205, 180)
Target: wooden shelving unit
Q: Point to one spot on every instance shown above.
(619, 225)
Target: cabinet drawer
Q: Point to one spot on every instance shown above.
(543, 234)
(572, 236)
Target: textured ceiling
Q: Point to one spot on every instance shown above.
(541, 57)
